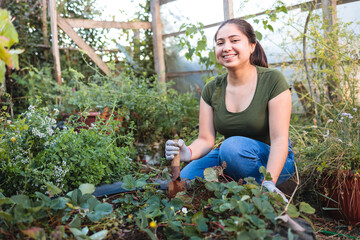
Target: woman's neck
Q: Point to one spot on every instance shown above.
(241, 76)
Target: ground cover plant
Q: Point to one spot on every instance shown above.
(212, 208)
(35, 150)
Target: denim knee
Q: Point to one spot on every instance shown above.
(243, 157)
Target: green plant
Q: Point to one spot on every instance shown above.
(332, 146)
(213, 208)
(35, 150)
(330, 99)
(8, 37)
(43, 217)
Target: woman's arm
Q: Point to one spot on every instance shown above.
(206, 139)
(279, 122)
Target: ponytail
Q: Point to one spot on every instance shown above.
(258, 57)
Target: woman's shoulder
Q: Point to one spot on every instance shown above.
(269, 72)
(217, 81)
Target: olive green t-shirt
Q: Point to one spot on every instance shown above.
(253, 122)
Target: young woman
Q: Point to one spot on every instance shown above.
(250, 105)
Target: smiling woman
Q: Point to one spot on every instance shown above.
(250, 105)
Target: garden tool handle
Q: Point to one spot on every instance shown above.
(176, 161)
(175, 166)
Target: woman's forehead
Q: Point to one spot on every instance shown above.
(229, 30)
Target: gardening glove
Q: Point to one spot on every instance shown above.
(272, 188)
(173, 148)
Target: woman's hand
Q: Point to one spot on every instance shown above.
(272, 188)
(173, 148)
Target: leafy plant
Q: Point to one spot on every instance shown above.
(35, 150)
(8, 37)
(212, 208)
(23, 216)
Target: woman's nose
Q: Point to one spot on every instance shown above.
(227, 46)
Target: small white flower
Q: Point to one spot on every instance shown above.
(354, 109)
(184, 210)
(327, 134)
(329, 121)
(339, 140)
(314, 126)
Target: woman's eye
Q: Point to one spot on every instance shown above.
(219, 43)
(235, 40)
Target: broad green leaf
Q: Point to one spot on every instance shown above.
(212, 186)
(175, 225)
(225, 206)
(267, 175)
(190, 231)
(177, 203)
(93, 202)
(52, 189)
(2, 71)
(4, 53)
(20, 199)
(78, 233)
(150, 234)
(258, 35)
(15, 57)
(293, 211)
(58, 203)
(87, 188)
(5, 201)
(210, 175)
(6, 216)
(76, 196)
(104, 208)
(129, 183)
(43, 197)
(200, 222)
(99, 235)
(306, 208)
(76, 222)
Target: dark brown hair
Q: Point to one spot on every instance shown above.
(258, 57)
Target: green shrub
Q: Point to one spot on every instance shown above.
(34, 151)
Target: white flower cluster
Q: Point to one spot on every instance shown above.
(60, 172)
(20, 156)
(36, 132)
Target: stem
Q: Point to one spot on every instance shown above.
(305, 59)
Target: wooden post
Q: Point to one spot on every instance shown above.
(157, 40)
(329, 19)
(54, 33)
(44, 27)
(228, 9)
(67, 28)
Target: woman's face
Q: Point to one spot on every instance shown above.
(233, 48)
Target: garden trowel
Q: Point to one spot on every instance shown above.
(176, 185)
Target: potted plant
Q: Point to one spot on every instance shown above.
(331, 153)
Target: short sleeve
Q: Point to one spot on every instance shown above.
(279, 84)
(206, 93)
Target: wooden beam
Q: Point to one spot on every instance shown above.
(228, 9)
(54, 33)
(44, 26)
(157, 40)
(66, 27)
(88, 23)
(303, 6)
(166, 1)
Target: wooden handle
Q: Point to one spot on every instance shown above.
(176, 160)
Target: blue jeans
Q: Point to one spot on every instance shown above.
(243, 157)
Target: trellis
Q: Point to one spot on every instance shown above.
(67, 25)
